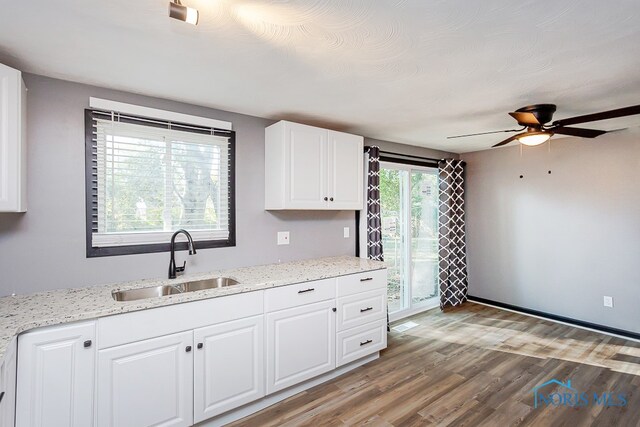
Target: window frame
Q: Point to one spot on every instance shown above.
(94, 251)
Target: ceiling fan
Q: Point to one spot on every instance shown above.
(534, 119)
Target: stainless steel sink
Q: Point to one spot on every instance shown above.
(216, 282)
(163, 290)
(143, 293)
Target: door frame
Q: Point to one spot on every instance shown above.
(430, 303)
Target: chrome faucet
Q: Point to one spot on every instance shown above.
(172, 263)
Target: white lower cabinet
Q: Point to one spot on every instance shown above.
(187, 363)
(8, 386)
(147, 383)
(362, 315)
(229, 366)
(300, 344)
(56, 376)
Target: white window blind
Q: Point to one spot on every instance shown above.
(151, 178)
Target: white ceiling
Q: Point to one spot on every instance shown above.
(405, 71)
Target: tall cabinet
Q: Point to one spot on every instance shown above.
(13, 141)
(310, 168)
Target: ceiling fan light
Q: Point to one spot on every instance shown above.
(532, 139)
(183, 13)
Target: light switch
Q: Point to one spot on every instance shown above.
(283, 237)
(608, 301)
(346, 232)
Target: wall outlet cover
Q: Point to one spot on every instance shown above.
(345, 232)
(608, 301)
(283, 237)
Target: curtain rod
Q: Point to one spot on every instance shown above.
(428, 159)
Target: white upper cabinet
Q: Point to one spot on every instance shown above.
(309, 168)
(13, 141)
(345, 153)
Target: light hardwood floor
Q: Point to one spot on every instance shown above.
(472, 366)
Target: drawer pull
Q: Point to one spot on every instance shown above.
(306, 290)
(366, 279)
(362, 310)
(366, 342)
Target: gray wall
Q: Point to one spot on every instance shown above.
(558, 242)
(45, 248)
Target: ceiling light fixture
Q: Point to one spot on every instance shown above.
(534, 138)
(183, 13)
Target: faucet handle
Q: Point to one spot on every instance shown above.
(181, 269)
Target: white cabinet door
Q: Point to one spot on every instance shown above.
(56, 376)
(229, 366)
(300, 344)
(306, 162)
(345, 164)
(8, 386)
(147, 383)
(13, 154)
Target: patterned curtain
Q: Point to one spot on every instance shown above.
(452, 251)
(374, 222)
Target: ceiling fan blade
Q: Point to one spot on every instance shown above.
(581, 132)
(525, 119)
(508, 140)
(484, 133)
(605, 115)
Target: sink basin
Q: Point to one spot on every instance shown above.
(216, 282)
(143, 293)
(163, 290)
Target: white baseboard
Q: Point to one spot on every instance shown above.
(267, 401)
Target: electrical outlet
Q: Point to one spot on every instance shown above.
(346, 232)
(608, 301)
(283, 237)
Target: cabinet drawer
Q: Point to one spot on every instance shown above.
(361, 282)
(361, 341)
(358, 309)
(299, 294)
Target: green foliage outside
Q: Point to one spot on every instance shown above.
(423, 237)
(139, 196)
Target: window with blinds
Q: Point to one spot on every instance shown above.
(148, 178)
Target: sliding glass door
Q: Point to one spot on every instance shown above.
(409, 208)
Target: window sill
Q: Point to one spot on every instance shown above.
(94, 252)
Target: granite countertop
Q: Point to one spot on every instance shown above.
(23, 312)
